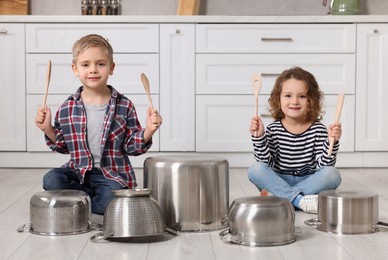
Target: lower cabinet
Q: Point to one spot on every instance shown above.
(372, 87)
(12, 98)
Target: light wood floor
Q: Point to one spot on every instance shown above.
(18, 185)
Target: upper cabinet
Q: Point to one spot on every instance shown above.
(372, 87)
(12, 98)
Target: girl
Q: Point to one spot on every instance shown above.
(291, 155)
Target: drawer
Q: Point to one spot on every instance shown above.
(234, 112)
(59, 38)
(35, 137)
(276, 38)
(125, 78)
(231, 73)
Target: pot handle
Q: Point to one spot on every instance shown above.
(382, 224)
(95, 226)
(99, 236)
(24, 227)
(312, 222)
(227, 237)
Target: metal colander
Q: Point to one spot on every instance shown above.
(59, 212)
(131, 213)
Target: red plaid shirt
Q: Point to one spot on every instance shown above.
(122, 136)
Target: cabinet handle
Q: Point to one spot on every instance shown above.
(287, 39)
(177, 31)
(375, 31)
(270, 75)
(3, 31)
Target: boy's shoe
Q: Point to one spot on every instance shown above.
(309, 204)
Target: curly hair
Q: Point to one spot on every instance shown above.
(92, 40)
(314, 94)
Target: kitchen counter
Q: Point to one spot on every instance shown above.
(195, 19)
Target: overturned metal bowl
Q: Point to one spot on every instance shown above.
(131, 213)
(59, 212)
(260, 221)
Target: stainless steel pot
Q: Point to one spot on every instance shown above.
(347, 212)
(260, 221)
(59, 212)
(131, 213)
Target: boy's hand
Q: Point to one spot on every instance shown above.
(154, 121)
(257, 127)
(335, 130)
(43, 118)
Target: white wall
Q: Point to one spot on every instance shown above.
(209, 7)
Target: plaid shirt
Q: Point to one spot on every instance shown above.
(122, 136)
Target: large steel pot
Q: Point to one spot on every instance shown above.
(131, 213)
(59, 212)
(192, 191)
(260, 221)
(347, 212)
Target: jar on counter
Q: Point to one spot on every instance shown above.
(85, 7)
(114, 7)
(104, 7)
(95, 7)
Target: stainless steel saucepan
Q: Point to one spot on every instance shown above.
(347, 212)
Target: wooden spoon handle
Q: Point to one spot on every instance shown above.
(146, 85)
(256, 86)
(48, 77)
(340, 103)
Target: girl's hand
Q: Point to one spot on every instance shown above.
(335, 131)
(154, 121)
(43, 118)
(257, 127)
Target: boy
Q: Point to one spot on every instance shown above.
(98, 127)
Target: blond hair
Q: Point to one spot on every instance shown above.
(91, 40)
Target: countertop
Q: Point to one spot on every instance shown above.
(194, 19)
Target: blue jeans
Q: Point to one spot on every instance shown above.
(290, 186)
(95, 185)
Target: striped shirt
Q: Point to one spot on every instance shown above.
(122, 136)
(294, 154)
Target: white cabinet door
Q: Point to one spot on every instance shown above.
(372, 87)
(35, 137)
(223, 121)
(12, 98)
(177, 83)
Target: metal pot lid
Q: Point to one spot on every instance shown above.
(132, 192)
(347, 194)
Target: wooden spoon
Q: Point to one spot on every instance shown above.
(146, 85)
(48, 77)
(340, 102)
(256, 86)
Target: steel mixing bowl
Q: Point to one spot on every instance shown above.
(260, 221)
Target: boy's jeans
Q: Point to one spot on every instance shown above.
(95, 184)
(289, 186)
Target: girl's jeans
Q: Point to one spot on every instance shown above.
(95, 185)
(289, 186)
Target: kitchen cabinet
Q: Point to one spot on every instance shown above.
(372, 90)
(12, 98)
(199, 70)
(177, 79)
(228, 55)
